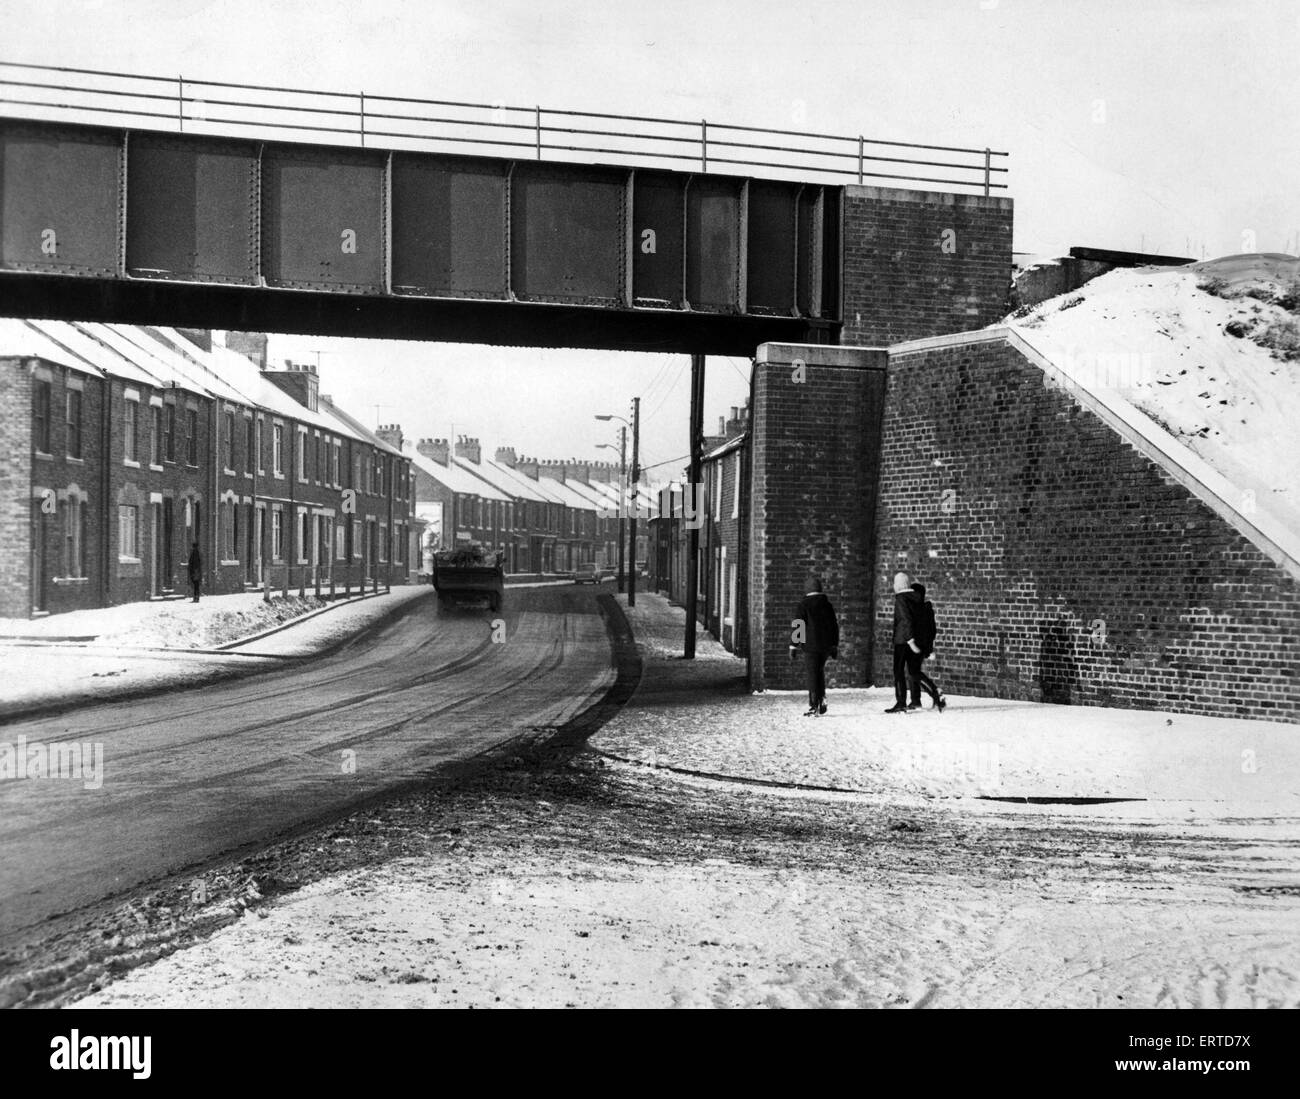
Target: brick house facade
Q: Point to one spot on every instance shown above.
(131, 444)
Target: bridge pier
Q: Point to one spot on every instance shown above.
(815, 451)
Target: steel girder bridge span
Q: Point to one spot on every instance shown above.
(140, 227)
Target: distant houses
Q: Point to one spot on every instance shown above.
(125, 446)
(130, 444)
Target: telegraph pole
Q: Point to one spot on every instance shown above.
(622, 497)
(636, 477)
(693, 532)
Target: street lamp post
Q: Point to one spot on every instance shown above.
(636, 477)
(622, 477)
(622, 495)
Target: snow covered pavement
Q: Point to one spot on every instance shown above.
(1172, 764)
(139, 648)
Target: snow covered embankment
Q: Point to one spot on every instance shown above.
(1210, 352)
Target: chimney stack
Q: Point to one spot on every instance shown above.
(435, 450)
(298, 380)
(528, 467)
(252, 345)
(469, 449)
(391, 434)
(506, 456)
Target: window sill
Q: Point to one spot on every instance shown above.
(72, 580)
(228, 472)
(130, 463)
(121, 560)
(75, 461)
(156, 468)
(42, 454)
(230, 561)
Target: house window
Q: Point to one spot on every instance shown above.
(334, 469)
(74, 538)
(383, 541)
(74, 423)
(260, 467)
(322, 463)
(155, 438)
(300, 455)
(130, 415)
(249, 444)
(277, 449)
(304, 536)
(229, 531)
(169, 433)
(41, 416)
(356, 537)
(735, 488)
(128, 544)
(230, 441)
(340, 541)
(277, 534)
(717, 495)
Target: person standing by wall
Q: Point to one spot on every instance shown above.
(194, 566)
(906, 604)
(817, 633)
(925, 628)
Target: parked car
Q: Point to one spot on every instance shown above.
(589, 574)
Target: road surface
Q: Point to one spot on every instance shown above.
(191, 776)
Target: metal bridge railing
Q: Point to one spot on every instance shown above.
(184, 105)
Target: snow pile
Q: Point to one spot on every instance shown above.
(1209, 351)
(172, 624)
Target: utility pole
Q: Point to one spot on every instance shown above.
(622, 498)
(636, 477)
(693, 533)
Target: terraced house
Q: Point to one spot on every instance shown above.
(126, 445)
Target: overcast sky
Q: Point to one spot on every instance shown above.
(1132, 124)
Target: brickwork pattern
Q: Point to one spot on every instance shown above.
(15, 488)
(922, 264)
(1064, 565)
(814, 454)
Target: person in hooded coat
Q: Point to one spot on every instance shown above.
(817, 633)
(925, 629)
(907, 604)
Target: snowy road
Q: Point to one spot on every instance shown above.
(197, 774)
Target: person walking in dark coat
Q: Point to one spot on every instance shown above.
(817, 633)
(194, 566)
(924, 629)
(906, 605)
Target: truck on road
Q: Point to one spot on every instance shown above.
(470, 574)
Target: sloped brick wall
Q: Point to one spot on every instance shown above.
(1064, 565)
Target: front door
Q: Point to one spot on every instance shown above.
(40, 561)
(168, 580)
(157, 563)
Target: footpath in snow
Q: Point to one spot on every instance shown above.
(113, 652)
(977, 748)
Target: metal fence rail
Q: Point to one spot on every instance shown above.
(218, 108)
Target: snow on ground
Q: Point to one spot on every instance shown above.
(1167, 345)
(978, 747)
(607, 884)
(142, 647)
